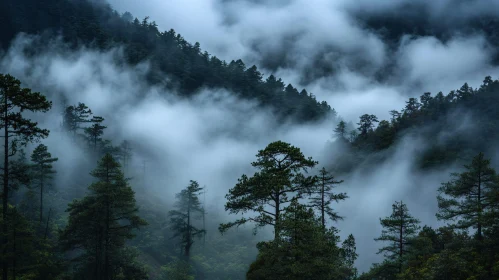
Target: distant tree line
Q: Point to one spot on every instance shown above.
(95, 24)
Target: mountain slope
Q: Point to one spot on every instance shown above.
(188, 68)
(449, 128)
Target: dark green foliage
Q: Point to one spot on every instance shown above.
(441, 116)
(366, 124)
(450, 252)
(398, 230)
(279, 178)
(42, 171)
(348, 253)
(470, 196)
(322, 196)
(75, 116)
(188, 209)
(340, 130)
(17, 132)
(110, 217)
(31, 256)
(304, 250)
(95, 131)
(97, 25)
(178, 270)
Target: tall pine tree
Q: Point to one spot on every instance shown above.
(279, 179)
(304, 250)
(42, 170)
(188, 207)
(102, 222)
(74, 116)
(470, 196)
(398, 230)
(17, 132)
(322, 196)
(94, 132)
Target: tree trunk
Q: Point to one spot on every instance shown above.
(106, 239)
(277, 212)
(47, 225)
(188, 241)
(41, 197)
(14, 264)
(5, 196)
(322, 201)
(401, 243)
(479, 198)
(106, 233)
(98, 256)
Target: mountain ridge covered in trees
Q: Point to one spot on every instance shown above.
(95, 24)
(445, 124)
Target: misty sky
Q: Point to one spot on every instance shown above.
(214, 137)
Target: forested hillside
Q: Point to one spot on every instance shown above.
(453, 127)
(175, 63)
(90, 164)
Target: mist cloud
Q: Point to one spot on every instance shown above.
(214, 137)
(211, 138)
(327, 49)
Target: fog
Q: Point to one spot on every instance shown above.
(325, 48)
(214, 137)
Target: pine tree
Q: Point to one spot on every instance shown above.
(102, 222)
(469, 196)
(74, 116)
(304, 249)
(95, 131)
(366, 123)
(188, 208)
(340, 130)
(398, 229)
(279, 178)
(42, 170)
(322, 196)
(17, 132)
(349, 255)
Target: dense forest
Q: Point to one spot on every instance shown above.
(97, 25)
(281, 221)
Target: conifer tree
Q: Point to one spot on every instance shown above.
(366, 123)
(188, 207)
(74, 116)
(469, 196)
(17, 132)
(398, 229)
(102, 222)
(42, 170)
(322, 196)
(349, 255)
(95, 131)
(304, 249)
(341, 129)
(278, 180)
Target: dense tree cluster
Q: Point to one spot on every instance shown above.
(427, 117)
(464, 249)
(95, 24)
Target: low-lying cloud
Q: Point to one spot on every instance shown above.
(214, 137)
